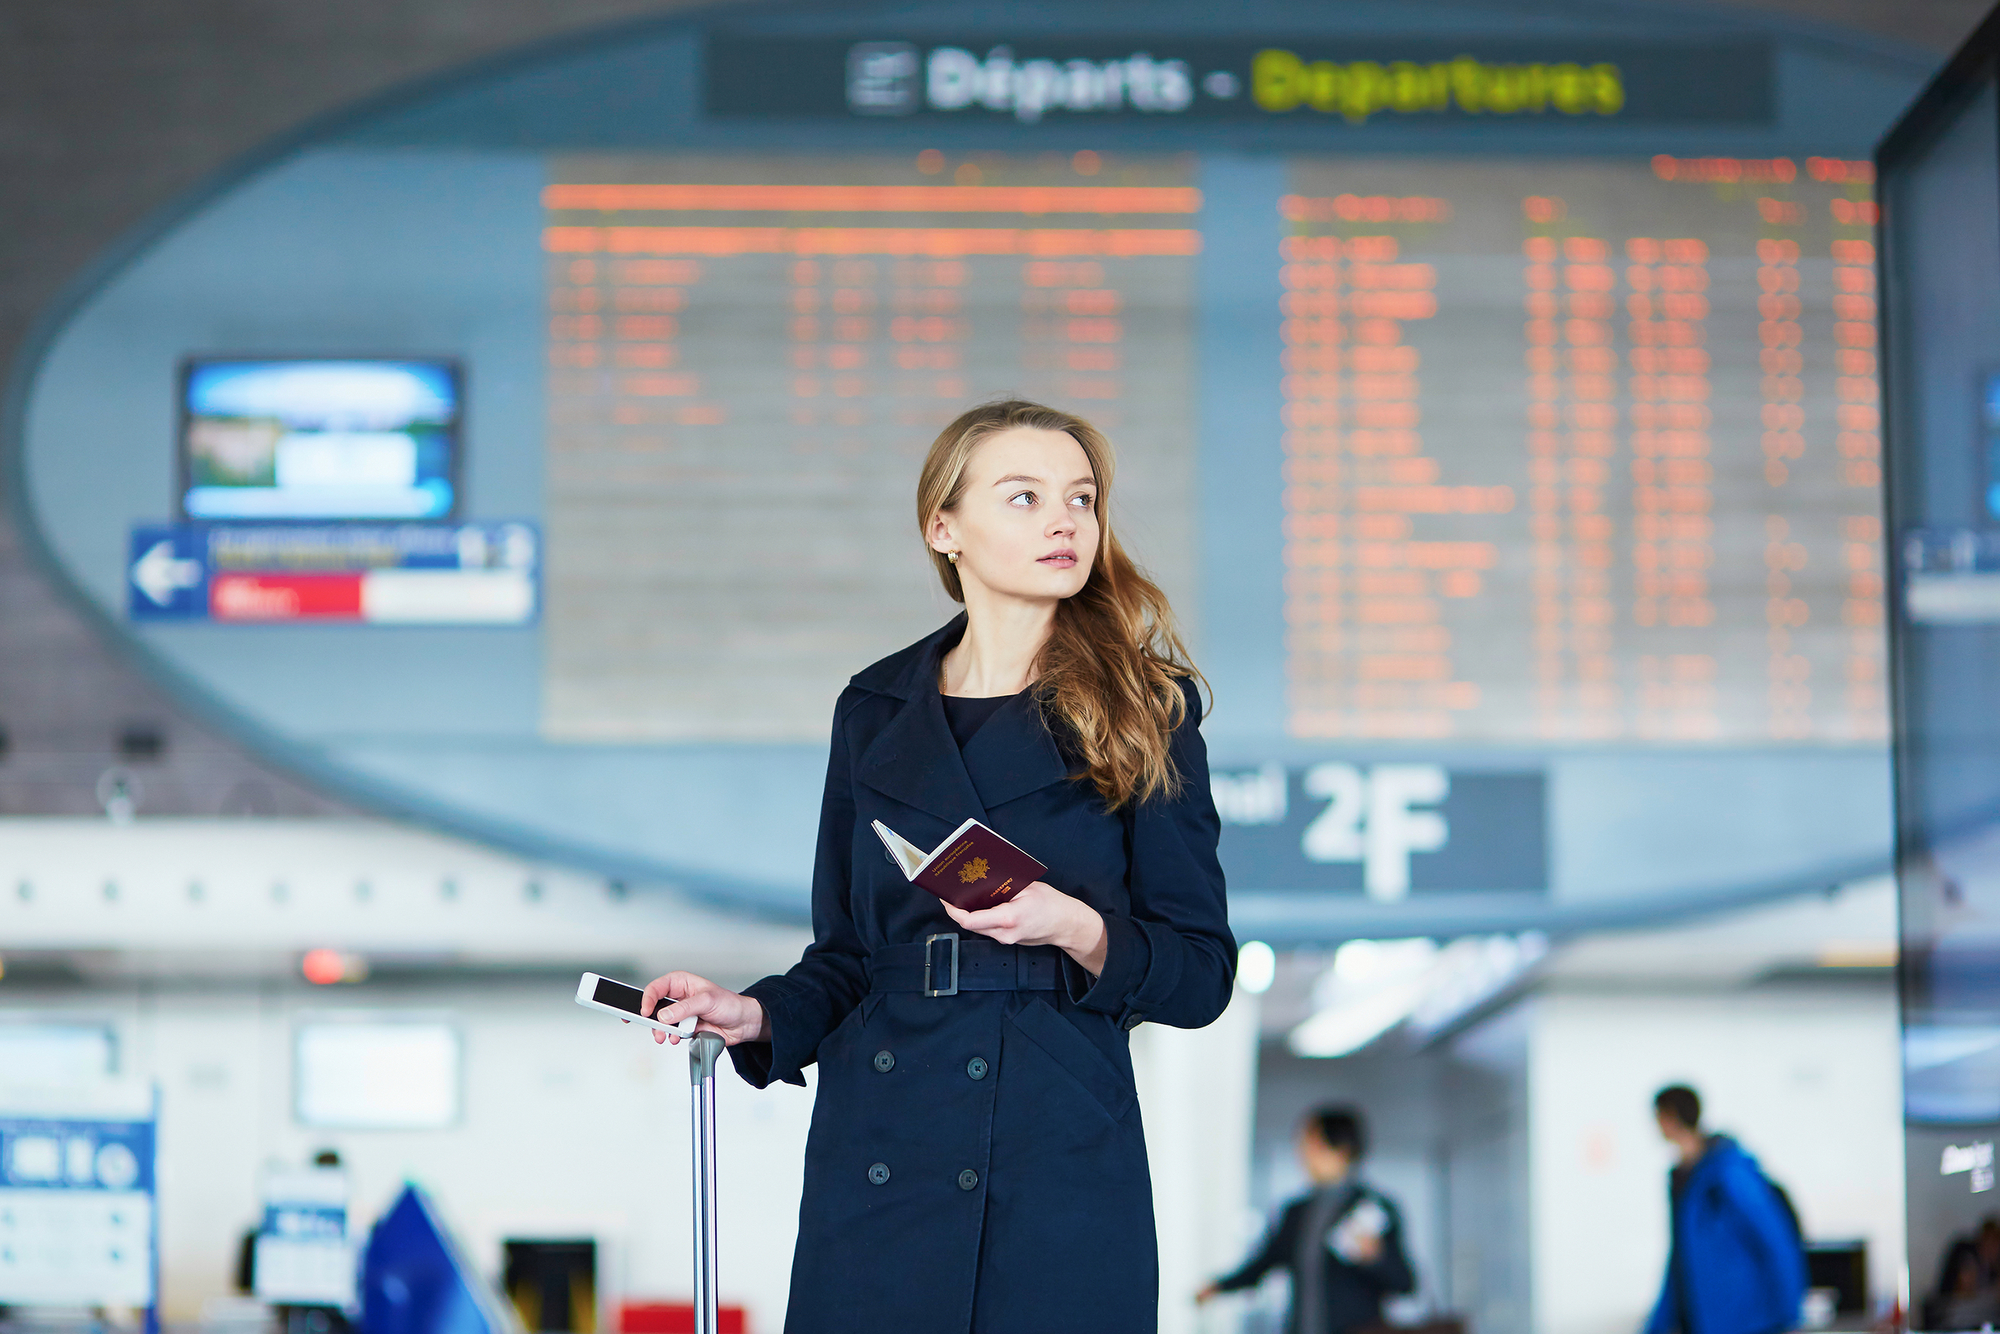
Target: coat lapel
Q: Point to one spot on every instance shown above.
(915, 761)
(1013, 754)
(913, 758)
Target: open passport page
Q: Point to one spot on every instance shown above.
(974, 868)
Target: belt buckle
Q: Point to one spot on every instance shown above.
(952, 989)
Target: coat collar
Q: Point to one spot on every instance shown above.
(915, 760)
(908, 672)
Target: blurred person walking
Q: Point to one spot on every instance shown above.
(1736, 1264)
(976, 1160)
(1342, 1240)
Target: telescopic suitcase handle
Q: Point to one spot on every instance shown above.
(703, 1049)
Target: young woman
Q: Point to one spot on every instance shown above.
(976, 1161)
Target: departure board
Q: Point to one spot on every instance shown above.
(749, 358)
(1582, 452)
(1569, 452)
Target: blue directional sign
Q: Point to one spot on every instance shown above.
(166, 573)
(385, 574)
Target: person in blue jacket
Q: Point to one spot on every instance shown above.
(1736, 1264)
(976, 1163)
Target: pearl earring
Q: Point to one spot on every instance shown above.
(951, 556)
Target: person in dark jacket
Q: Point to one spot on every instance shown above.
(976, 1163)
(1736, 1264)
(1342, 1240)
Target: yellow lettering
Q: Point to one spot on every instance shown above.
(1409, 90)
(1571, 89)
(1277, 80)
(1440, 89)
(1281, 81)
(1468, 80)
(1323, 85)
(1537, 99)
(1610, 89)
(1365, 91)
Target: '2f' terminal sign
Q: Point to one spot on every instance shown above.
(1382, 80)
(1386, 830)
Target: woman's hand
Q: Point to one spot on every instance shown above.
(1041, 914)
(736, 1018)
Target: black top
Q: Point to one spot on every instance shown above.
(968, 713)
(1349, 1296)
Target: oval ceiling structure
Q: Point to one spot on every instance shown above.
(531, 454)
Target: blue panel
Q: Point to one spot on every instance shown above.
(414, 1280)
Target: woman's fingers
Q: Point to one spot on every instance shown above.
(656, 991)
(672, 986)
(698, 1006)
(983, 922)
(986, 919)
(718, 1010)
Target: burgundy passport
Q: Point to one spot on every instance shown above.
(974, 868)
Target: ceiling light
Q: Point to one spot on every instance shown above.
(1376, 985)
(324, 968)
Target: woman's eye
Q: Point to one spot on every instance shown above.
(1025, 499)
(1083, 502)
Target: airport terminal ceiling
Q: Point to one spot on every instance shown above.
(1498, 414)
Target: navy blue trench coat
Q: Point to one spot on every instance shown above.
(976, 1163)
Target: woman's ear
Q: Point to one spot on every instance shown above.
(939, 534)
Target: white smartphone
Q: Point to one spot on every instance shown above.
(601, 993)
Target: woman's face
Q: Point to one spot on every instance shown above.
(1026, 525)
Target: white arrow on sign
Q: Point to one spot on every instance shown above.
(160, 574)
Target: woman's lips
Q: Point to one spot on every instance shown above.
(1064, 559)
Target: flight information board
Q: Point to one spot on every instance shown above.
(749, 360)
(1572, 452)
(1582, 452)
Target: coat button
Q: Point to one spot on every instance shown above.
(1132, 1021)
(967, 1180)
(878, 1174)
(885, 1061)
(977, 1067)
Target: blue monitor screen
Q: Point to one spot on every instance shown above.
(299, 439)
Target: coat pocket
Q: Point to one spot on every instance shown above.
(848, 1030)
(1077, 1056)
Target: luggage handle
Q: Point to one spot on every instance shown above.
(703, 1049)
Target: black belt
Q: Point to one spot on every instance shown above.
(946, 964)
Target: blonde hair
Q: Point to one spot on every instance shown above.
(1112, 667)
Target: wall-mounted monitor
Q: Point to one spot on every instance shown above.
(387, 1074)
(294, 438)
